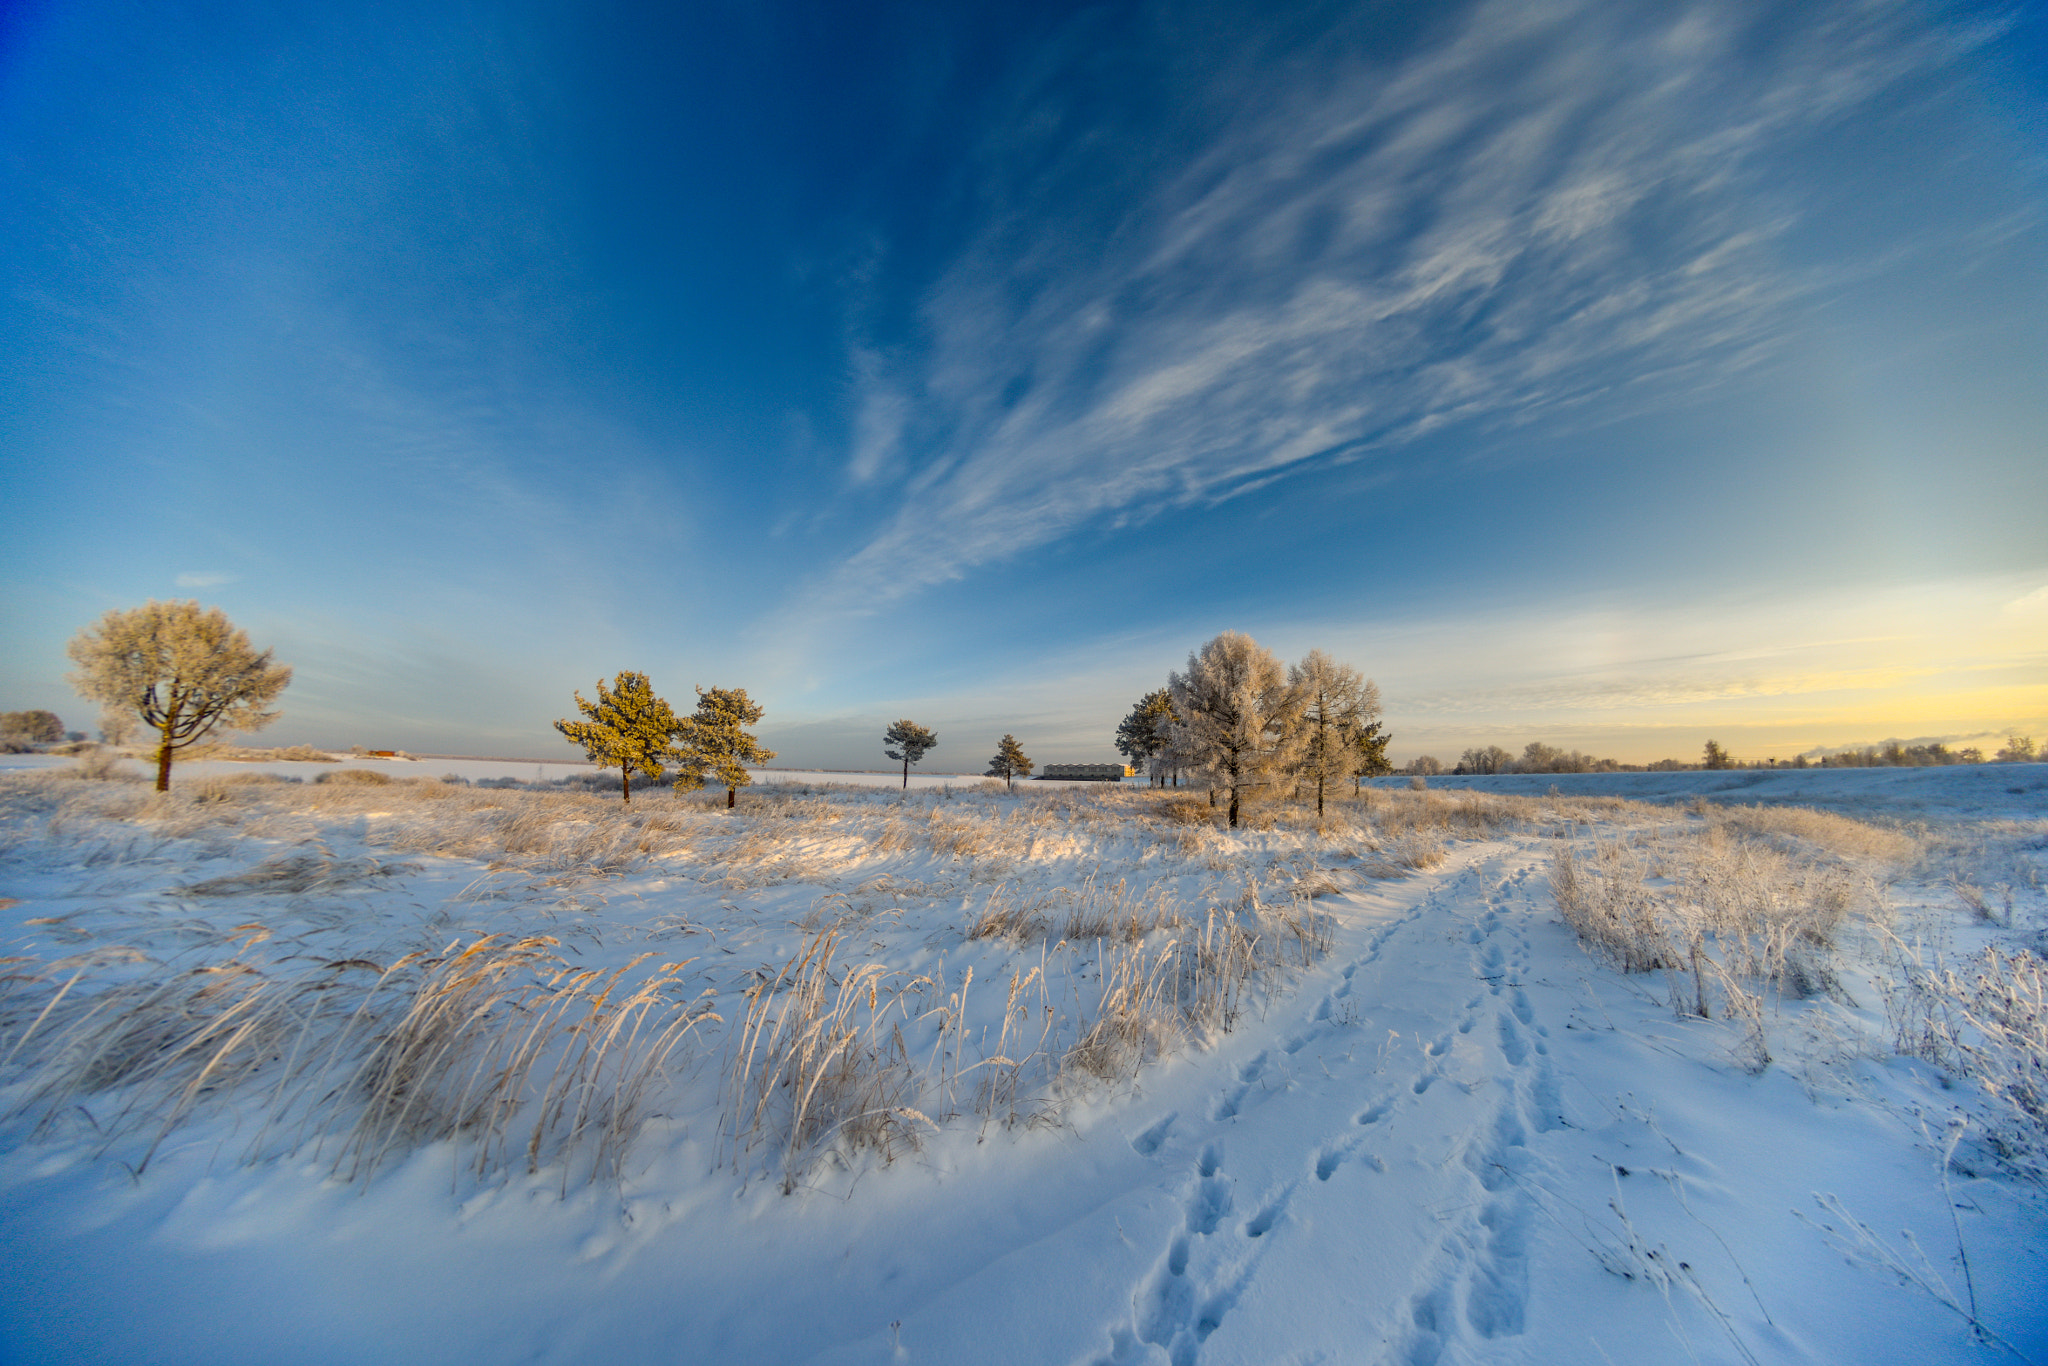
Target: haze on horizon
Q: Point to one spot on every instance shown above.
(1607, 374)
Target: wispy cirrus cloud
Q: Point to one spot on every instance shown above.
(1543, 207)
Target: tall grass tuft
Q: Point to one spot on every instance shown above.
(497, 1046)
(1987, 1021)
(819, 1064)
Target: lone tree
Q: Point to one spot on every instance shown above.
(715, 742)
(1142, 737)
(629, 726)
(1237, 715)
(1713, 756)
(185, 670)
(1010, 762)
(910, 741)
(1331, 702)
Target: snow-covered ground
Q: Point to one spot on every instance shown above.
(1453, 1136)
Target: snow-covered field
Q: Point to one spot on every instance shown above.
(1069, 1075)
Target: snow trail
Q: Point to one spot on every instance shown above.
(1455, 1139)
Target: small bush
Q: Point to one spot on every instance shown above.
(1989, 1023)
(104, 766)
(355, 777)
(1189, 811)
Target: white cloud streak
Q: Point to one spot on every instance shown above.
(1547, 208)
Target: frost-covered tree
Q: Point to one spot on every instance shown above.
(184, 670)
(1010, 762)
(628, 728)
(1237, 717)
(1713, 756)
(1142, 735)
(909, 742)
(2019, 749)
(1491, 759)
(1425, 766)
(714, 742)
(1329, 706)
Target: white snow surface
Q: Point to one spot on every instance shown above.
(1457, 1138)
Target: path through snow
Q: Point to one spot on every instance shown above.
(1458, 1140)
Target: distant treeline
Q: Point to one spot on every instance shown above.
(1538, 757)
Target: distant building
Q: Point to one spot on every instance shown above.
(1086, 773)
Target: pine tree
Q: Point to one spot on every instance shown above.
(1009, 763)
(1141, 736)
(911, 741)
(1371, 742)
(1713, 756)
(714, 742)
(1237, 723)
(186, 671)
(629, 727)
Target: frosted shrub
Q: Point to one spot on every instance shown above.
(1988, 1022)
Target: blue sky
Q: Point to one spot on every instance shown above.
(1609, 374)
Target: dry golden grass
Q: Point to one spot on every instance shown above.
(498, 1045)
(1731, 907)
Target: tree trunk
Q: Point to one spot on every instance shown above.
(626, 782)
(731, 794)
(1233, 806)
(906, 773)
(1319, 796)
(163, 765)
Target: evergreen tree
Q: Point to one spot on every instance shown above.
(714, 742)
(629, 727)
(1237, 717)
(184, 670)
(1009, 763)
(1142, 737)
(1371, 743)
(1713, 756)
(911, 741)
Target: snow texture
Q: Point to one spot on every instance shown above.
(1455, 1138)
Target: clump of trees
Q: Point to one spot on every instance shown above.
(635, 731)
(183, 670)
(1245, 726)
(1010, 762)
(2018, 749)
(31, 727)
(1537, 757)
(909, 742)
